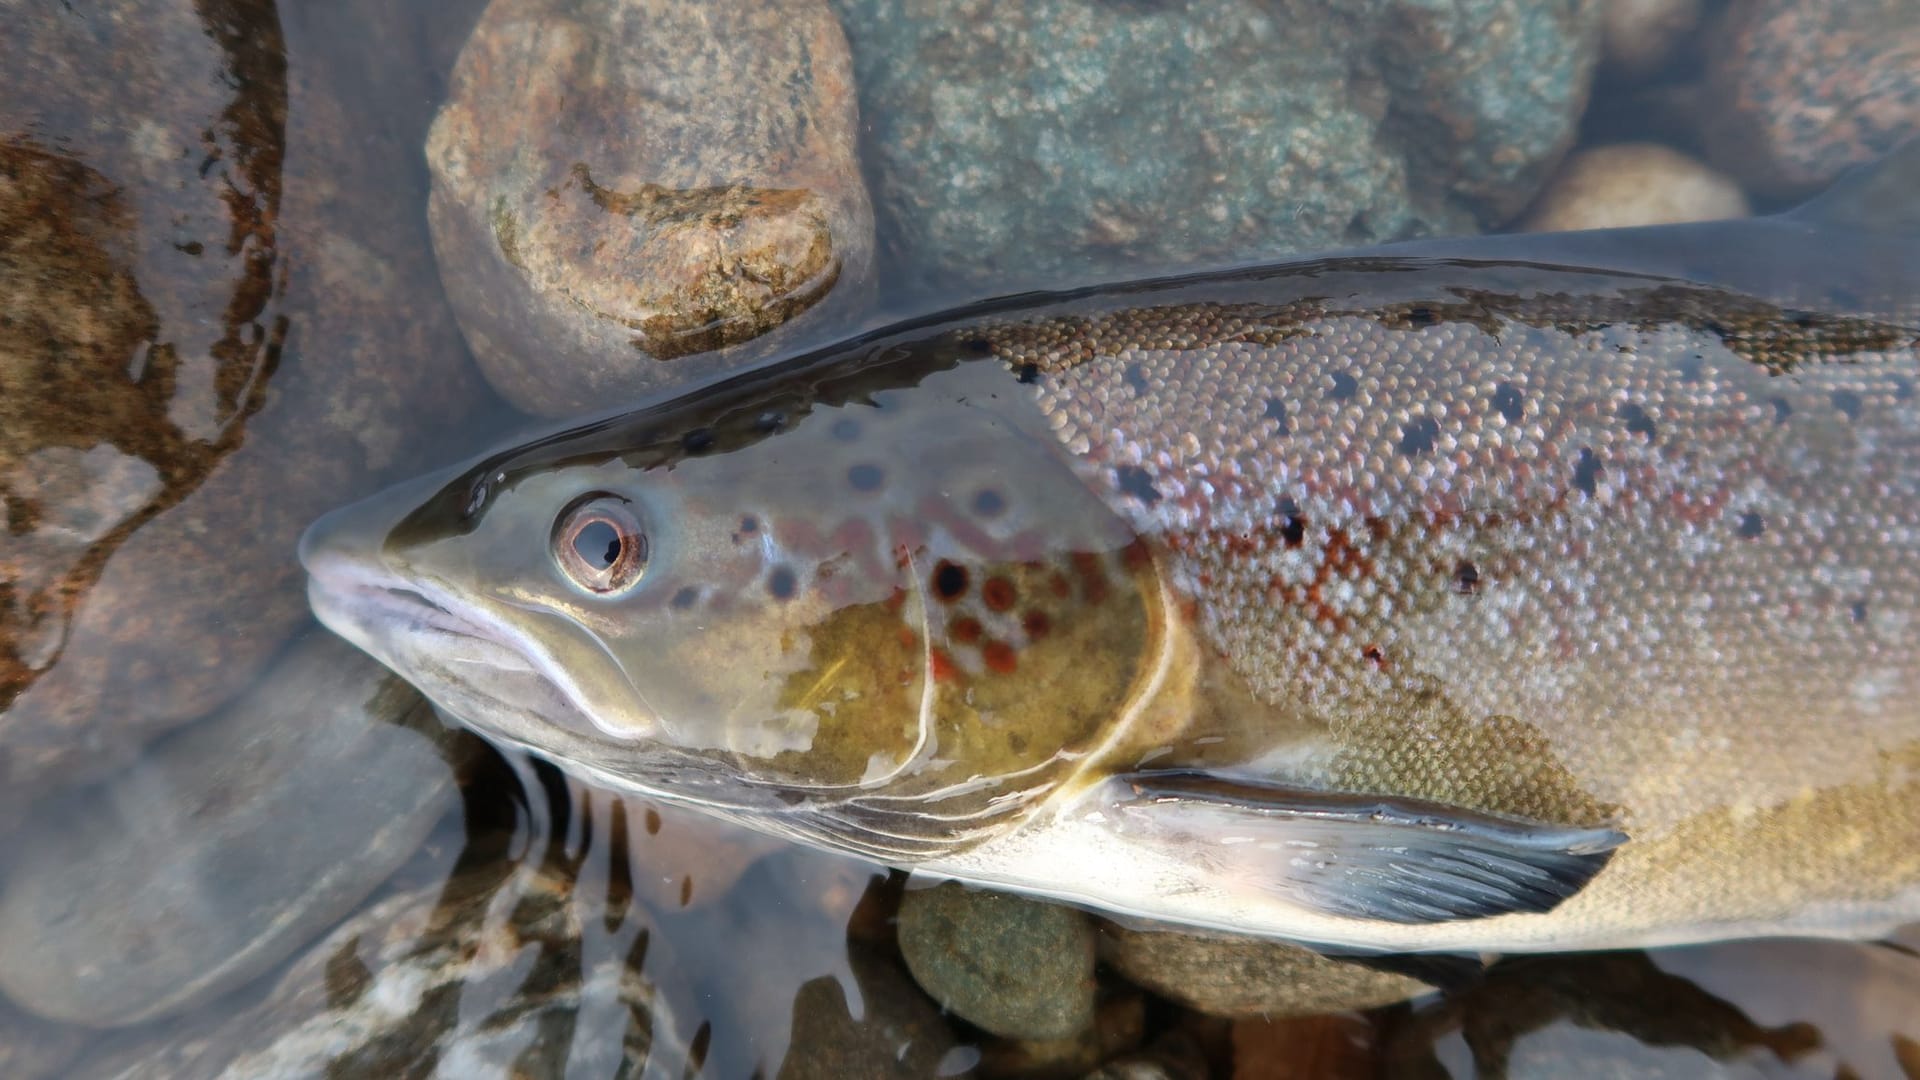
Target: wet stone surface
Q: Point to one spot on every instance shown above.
(1068, 141)
(633, 193)
(1799, 90)
(1012, 966)
(1239, 977)
(210, 267)
(1627, 184)
(231, 844)
(482, 977)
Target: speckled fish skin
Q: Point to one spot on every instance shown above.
(1616, 531)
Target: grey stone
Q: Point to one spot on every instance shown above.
(633, 193)
(1009, 965)
(1053, 142)
(231, 844)
(1230, 976)
(483, 977)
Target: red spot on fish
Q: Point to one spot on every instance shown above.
(1000, 657)
(1376, 656)
(942, 666)
(1093, 579)
(907, 637)
(1060, 586)
(1036, 624)
(999, 594)
(1135, 556)
(895, 600)
(966, 630)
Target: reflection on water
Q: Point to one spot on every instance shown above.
(219, 317)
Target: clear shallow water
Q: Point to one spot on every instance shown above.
(746, 965)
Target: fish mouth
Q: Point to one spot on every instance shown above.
(465, 662)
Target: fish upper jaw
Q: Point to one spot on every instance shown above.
(483, 669)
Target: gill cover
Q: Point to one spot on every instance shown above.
(884, 598)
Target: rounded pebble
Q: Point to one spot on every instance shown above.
(1627, 184)
(629, 194)
(1015, 967)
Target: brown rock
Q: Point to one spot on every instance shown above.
(1232, 976)
(1610, 187)
(1119, 1026)
(247, 333)
(893, 1031)
(1798, 90)
(633, 193)
(1640, 36)
(1304, 1048)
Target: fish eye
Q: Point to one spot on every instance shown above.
(599, 545)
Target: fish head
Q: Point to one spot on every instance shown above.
(888, 619)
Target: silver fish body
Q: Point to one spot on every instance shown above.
(1519, 593)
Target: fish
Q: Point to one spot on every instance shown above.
(1514, 593)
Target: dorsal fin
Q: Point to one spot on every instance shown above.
(1883, 195)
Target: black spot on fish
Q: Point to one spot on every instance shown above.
(949, 580)
(979, 346)
(769, 422)
(749, 524)
(866, 477)
(1136, 377)
(1848, 403)
(1508, 399)
(1781, 410)
(781, 583)
(1859, 611)
(1638, 422)
(1276, 411)
(1293, 527)
(1586, 471)
(1421, 315)
(685, 597)
(697, 441)
(1692, 367)
(1419, 435)
(1137, 482)
(1344, 386)
(845, 429)
(1027, 373)
(989, 503)
(1466, 578)
(1751, 525)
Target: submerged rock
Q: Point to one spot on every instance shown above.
(891, 1030)
(1013, 966)
(1643, 35)
(1230, 976)
(1062, 141)
(1625, 184)
(483, 977)
(228, 846)
(632, 193)
(217, 320)
(1799, 90)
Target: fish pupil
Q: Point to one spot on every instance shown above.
(598, 544)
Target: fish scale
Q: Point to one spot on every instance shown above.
(1506, 593)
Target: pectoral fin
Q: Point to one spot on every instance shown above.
(1361, 857)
